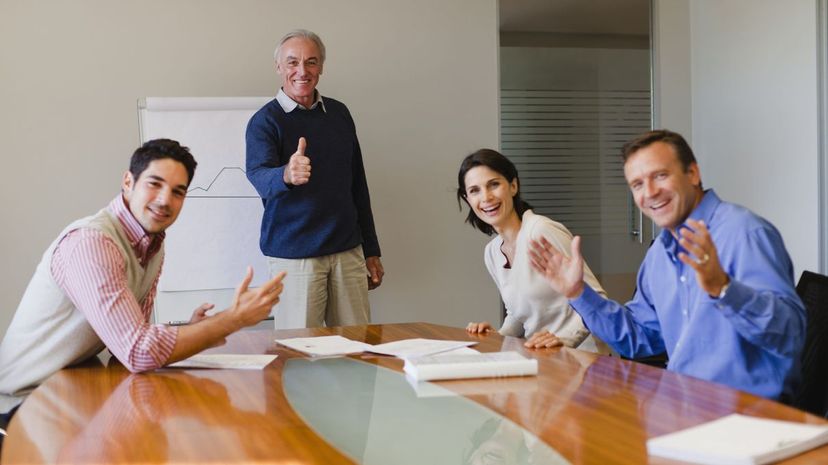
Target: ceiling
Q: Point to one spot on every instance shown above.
(624, 17)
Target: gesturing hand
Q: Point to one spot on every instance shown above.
(251, 306)
(201, 312)
(298, 169)
(702, 257)
(564, 274)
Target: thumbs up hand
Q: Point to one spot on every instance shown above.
(298, 169)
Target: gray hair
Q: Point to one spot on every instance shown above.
(304, 34)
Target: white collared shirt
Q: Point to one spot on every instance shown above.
(288, 104)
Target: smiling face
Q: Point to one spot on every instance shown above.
(300, 65)
(491, 196)
(156, 197)
(662, 188)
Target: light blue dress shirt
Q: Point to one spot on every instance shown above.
(750, 339)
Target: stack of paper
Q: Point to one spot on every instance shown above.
(230, 361)
(522, 384)
(739, 439)
(462, 366)
(326, 346)
(414, 348)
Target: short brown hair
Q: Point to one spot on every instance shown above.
(674, 139)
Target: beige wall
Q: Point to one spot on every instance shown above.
(419, 77)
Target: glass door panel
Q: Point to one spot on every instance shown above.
(568, 104)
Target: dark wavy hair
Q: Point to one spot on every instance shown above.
(159, 149)
(495, 161)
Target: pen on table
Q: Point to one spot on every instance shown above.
(178, 323)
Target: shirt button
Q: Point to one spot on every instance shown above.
(684, 312)
(682, 279)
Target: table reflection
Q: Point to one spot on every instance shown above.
(375, 416)
(146, 415)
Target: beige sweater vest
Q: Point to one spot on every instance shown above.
(47, 332)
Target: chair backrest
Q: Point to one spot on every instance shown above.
(813, 392)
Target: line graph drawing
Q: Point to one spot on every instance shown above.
(230, 181)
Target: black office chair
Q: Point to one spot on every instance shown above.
(812, 395)
(658, 361)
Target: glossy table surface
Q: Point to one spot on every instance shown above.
(589, 409)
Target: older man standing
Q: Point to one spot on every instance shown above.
(303, 158)
(715, 289)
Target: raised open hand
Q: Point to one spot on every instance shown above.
(564, 274)
(703, 257)
(251, 306)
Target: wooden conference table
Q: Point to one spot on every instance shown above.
(590, 409)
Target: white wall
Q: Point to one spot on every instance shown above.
(419, 77)
(673, 105)
(752, 106)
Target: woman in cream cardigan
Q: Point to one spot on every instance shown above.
(488, 183)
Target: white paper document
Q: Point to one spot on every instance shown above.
(450, 388)
(739, 439)
(229, 361)
(325, 346)
(460, 351)
(482, 365)
(414, 348)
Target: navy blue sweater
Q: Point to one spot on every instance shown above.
(332, 212)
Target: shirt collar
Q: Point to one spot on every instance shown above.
(288, 104)
(133, 229)
(703, 211)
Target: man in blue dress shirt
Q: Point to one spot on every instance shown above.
(715, 290)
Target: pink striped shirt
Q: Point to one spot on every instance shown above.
(90, 269)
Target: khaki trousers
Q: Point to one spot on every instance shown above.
(330, 290)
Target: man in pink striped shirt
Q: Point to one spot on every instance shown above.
(95, 286)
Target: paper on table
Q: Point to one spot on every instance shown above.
(485, 365)
(739, 439)
(325, 346)
(413, 348)
(475, 387)
(230, 361)
(460, 351)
